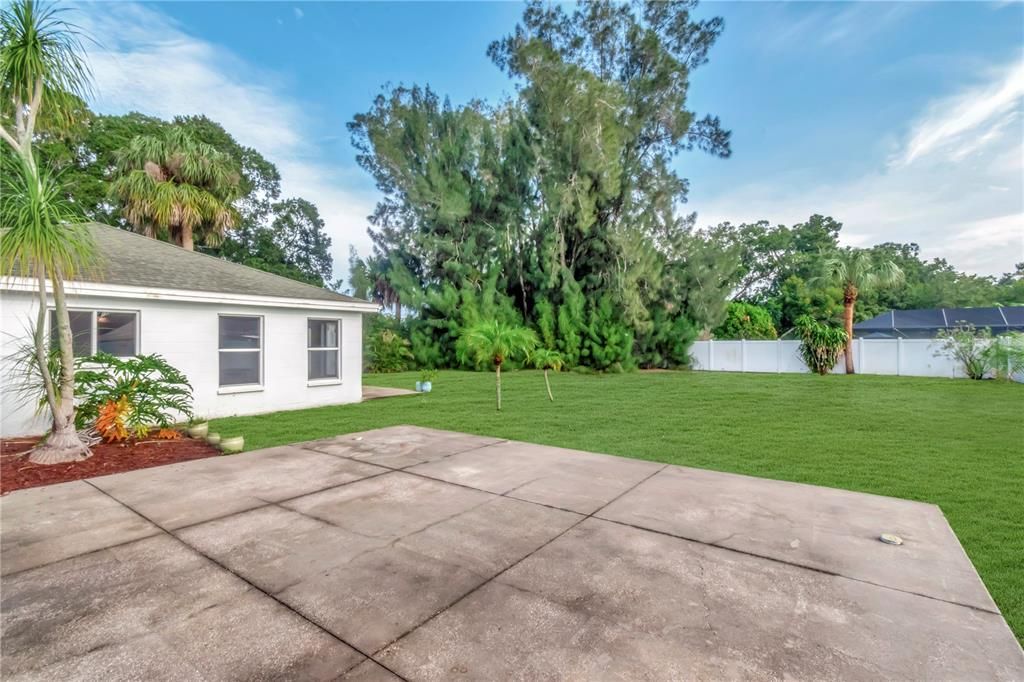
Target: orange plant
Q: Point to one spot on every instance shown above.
(168, 434)
(110, 422)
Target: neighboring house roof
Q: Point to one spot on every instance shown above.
(998, 319)
(133, 260)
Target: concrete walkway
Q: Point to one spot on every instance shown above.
(421, 554)
(375, 392)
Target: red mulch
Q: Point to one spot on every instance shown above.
(16, 472)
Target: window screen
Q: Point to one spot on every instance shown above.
(240, 350)
(91, 331)
(323, 349)
(115, 333)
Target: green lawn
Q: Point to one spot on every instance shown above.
(959, 444)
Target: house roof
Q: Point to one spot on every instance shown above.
(998, 318)
(130, 259)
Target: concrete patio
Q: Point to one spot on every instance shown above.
(420, 554)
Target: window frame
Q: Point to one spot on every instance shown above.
(324, 381)
(94, 335)
(242, 388)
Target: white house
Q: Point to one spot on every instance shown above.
(249, 342)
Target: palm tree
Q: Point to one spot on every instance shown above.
(856, 272)
(42, 75)
(176, 186)
(40, 62)
(547, 359)
(495, 342)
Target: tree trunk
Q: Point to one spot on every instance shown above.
(398, 310)
(548, 384)
(849, 301)
(42, 355)
(186, 238)
(63, 443)
(497, 373)
(149, 230)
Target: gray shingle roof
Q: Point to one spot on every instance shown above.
(130, 259)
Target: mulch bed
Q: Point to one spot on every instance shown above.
(16, 472)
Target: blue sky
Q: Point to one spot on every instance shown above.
(903, 120)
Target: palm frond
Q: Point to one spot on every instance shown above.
(856, 268)
(40, 229)
(38, 47)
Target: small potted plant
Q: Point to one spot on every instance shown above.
(426, 381)
(198, 428)
(213, 438)
(232, 444)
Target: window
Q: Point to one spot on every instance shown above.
(241, 350)
(92, 331)
(323, 348)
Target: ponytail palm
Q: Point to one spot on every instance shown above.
(495, 343)
(856, 272)
(41, 238)
(40, 62)
(42, 75)
(173, 185)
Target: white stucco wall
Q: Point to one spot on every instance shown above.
(186, 334)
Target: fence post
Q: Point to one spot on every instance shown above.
(860, 355)
(899, 355)
(778, 356)
(711, 355)
(743, 355)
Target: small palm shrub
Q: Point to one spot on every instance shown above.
(547, 359)
(494, 343)
(388, 352)
(135, 394)
(820, 344)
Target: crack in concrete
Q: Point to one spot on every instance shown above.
(704, 596)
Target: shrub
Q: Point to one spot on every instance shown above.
(110, 422)
(967, 345)
(1006, 355)
(146, 391)
(746, 321)
(980, 355)
(388, 352)
(821, 344)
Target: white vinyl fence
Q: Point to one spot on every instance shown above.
(900, 357)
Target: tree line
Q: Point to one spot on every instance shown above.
(562, 208)
(190, 182)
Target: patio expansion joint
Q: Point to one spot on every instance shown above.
(252, 585)
(265, 503)
(156, 533)
(407, 466)
(507, 494)
(815, 569)
(583, 517)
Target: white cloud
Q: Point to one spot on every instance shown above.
(146, 62)
(955, 184)
(967, 121)
(833, 25)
